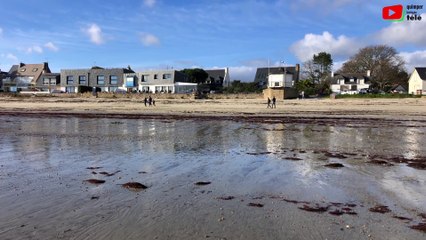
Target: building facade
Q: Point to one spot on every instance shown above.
(277, 76)
(417, 81)
(346, 83)
(103, 79)
(159, 81)
(24, 76)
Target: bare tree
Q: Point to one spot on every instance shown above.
(383, 61)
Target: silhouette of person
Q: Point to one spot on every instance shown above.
(269, 103)
(273, 102)
(145, 101)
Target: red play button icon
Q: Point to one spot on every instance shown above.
(393, 12)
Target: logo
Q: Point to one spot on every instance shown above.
(393, 13)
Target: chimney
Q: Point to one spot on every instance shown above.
(368, 73)
(297, 72)
(21, 64)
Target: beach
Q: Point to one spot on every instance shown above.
(100, 168)
(403, 109)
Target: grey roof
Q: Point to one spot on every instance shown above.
(262, 73)
(347, 77)
(216, 73)
(422, 72)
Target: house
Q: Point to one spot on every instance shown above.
(159, 81)
(82, 80)
(399, 88)
(24, 76)
(275, 76)
(49, 82)
(279, 81)
(2, 75)
(349, 83)
(417, 81)
(218, 78)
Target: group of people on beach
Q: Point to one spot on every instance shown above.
(272, 104)
(149, 101)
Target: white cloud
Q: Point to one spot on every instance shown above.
(10, 56)
(149, 3)
(51, 46)
(95, 34)
(405, 32)
(414, 59)
(35, 49)
(243, 73)
(149, 40)
(339, 47)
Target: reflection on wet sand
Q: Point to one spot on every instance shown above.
(69, 177)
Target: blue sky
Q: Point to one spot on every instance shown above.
(241, 35)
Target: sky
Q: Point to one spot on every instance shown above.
(209, 34)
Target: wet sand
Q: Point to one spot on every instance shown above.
(310, 169)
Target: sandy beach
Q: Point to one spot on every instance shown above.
(403, 109)
(212, 169)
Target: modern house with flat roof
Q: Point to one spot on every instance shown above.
(160, 81)
(24, 76)
(104, 79)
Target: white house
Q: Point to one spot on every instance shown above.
(346, 83)
(417, 81)
(280, 80)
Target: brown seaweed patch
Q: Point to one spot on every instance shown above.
(109, 174)
(422, 215)
(93, 168)
(402, 218)
(336, 212)
(95, 181)
(134, 185)
(420, 227)
(202, 183)
(259, 205)
(417, 165)
(334, 165)
(258, 153)
(380, 162)
(293, 158)
(226, 198)
(380, 209)
(316, 208)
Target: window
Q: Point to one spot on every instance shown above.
(167, 76)
(70, 80)
(46, 81)
(53, 81)
(145, 77)
(130, 81)
(277, 84)
(100, 80)
(155, 76)
(23, 69)
(82, 80)
(35, 69)
(113, 79)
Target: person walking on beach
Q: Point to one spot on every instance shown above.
(269, 103)
(150, 101)
(145, 101)
(153, 102)
(273, 102)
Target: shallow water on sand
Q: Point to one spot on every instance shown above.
(258, 177)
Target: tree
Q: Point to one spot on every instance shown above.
(385, 65)
(319, 67)
(196, 75)
(242, 87)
